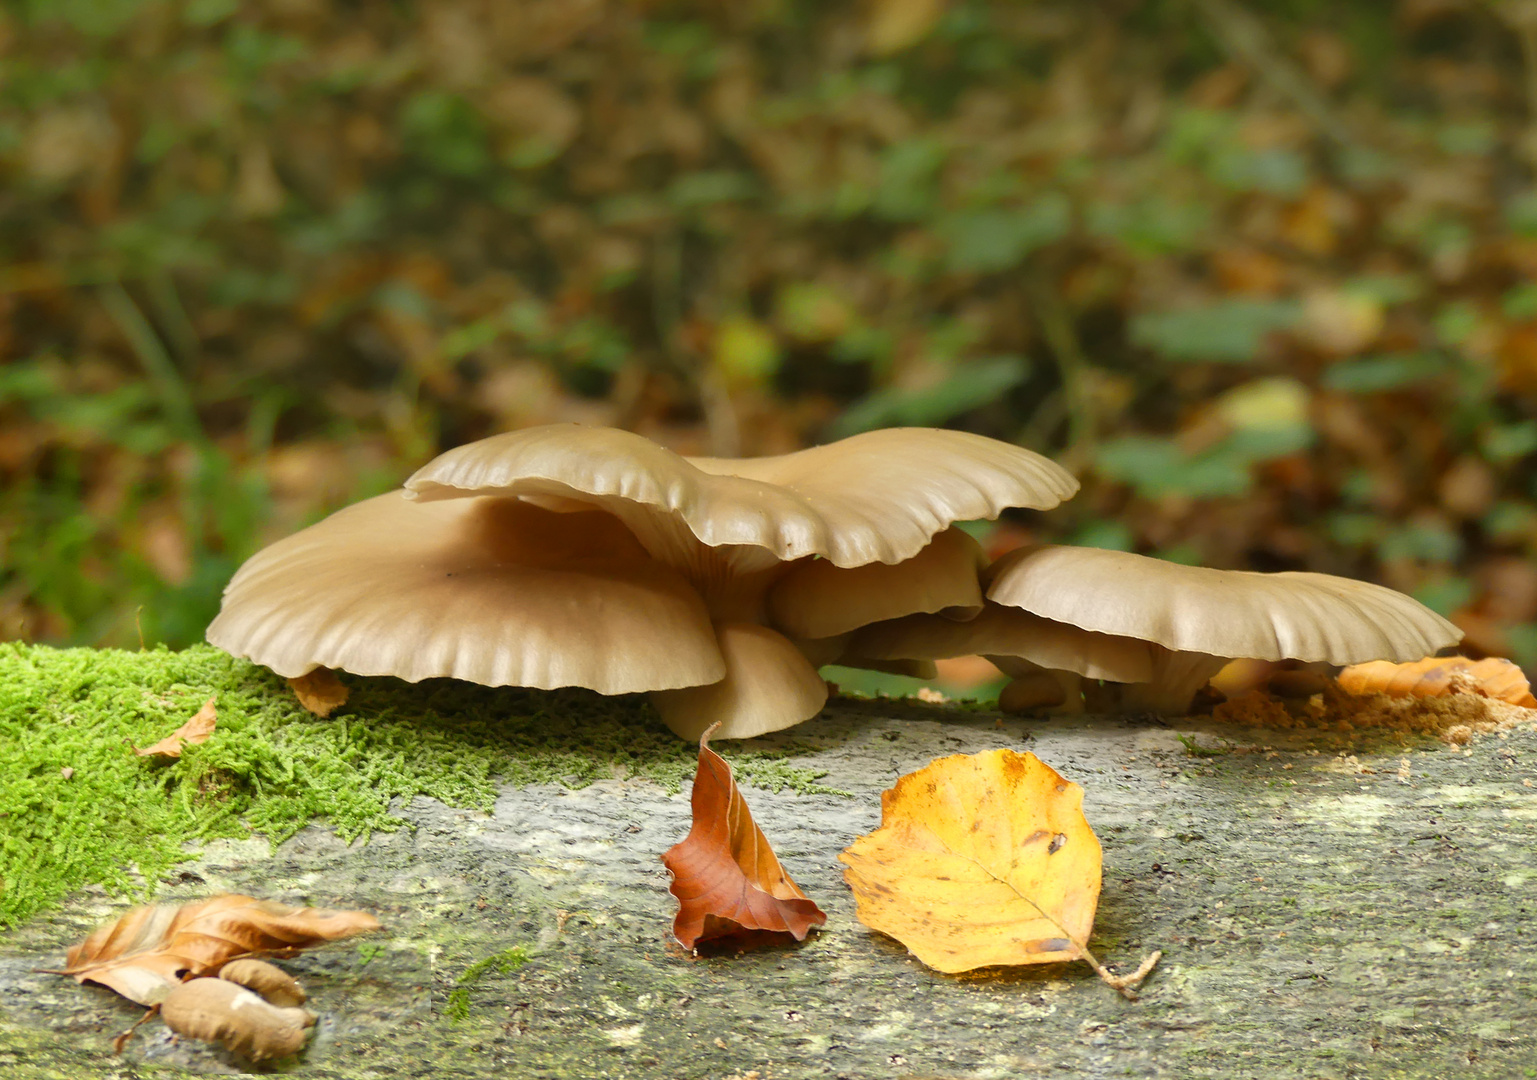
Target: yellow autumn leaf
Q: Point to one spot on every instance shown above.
(982, 860)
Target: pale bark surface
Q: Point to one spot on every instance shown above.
(1320, 917)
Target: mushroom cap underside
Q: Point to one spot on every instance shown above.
(1008, 632)
(875, 497)
(489, 590)
(815, 599)
(1228, 613)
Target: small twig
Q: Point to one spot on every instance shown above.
(1072, 367)
(1125, 985)
(122, 1040)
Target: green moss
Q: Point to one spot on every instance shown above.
(457, 1008)
(120, 820)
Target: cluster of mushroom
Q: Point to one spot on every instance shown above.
(575, 556)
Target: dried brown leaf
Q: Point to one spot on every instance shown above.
(149, 950)
(320, 691)
(725, 875)
(194, 731)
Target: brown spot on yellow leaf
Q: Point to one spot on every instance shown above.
(725, 875)
(193, 731)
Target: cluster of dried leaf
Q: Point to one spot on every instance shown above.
(195, 964)
(979, 861)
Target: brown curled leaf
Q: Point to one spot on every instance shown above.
(270, 981)
(320, 691)
(725, 875)
(194, 731)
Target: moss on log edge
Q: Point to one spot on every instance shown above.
(79, 808)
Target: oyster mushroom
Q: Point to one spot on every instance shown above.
(815, 599)
(490, 590)
(532, 515)
(1193, 620)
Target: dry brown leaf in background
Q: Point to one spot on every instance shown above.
(1434, 676)
(725, 875)
(149, 950)
(981, 860)
(320, 691)
(193, 731)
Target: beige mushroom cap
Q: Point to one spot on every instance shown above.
(493, 591)
(815, 599)
(875, 497)
(1224, 613)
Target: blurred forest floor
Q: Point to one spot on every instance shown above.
(1263, 275)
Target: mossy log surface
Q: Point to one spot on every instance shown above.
(1324, 911)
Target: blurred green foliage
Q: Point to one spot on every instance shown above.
(1264, 275)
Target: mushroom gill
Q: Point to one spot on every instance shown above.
(490, 590)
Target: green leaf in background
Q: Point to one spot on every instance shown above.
(1150, 225)
(1430, 541)
(1379, 374)
(907, 187)
(1510, 520)
(988, 241)
(969, 387)
(745, 350)
(447, 133)
(1227, 331)
(1157, 467)
(1444, 593)
(1507, 442)
(1113, 535)
(1275, 172)
(709, 187)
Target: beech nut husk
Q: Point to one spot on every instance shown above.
(215, 1010)
(268, 980)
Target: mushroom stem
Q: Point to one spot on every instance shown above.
(768, 685)
(1028, 687)
(1177, 678)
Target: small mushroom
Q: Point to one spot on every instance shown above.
(215, 1010)
(1194, 619)
(1022, 645)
